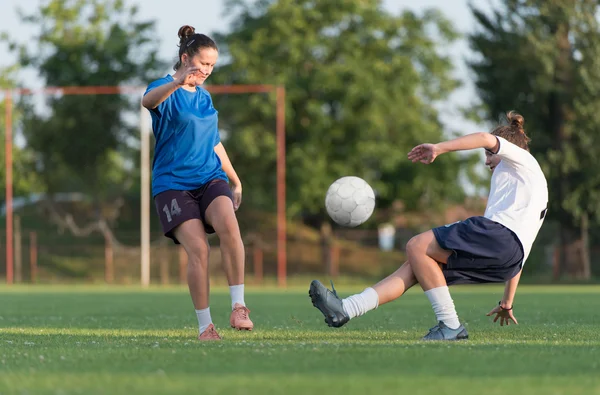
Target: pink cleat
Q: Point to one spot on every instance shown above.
(239, 318)
(209, 334)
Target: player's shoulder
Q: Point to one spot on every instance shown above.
(161, 81)
(516, 154)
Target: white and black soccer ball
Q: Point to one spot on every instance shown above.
(350, 201)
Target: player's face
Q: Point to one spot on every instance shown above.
(491, 160)
(204, 61)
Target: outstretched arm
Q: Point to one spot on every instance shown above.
(153, 98)
(470, 141)
(426, 153)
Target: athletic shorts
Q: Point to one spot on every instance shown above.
(176, 207)
(483, 251)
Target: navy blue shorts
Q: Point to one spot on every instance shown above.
(483, 251)
(176, 207)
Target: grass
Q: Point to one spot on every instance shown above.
(101, 340)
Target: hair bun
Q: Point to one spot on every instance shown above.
(515, 119)
(185, 32)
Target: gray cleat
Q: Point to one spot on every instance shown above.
(442, 332)
(328, 303)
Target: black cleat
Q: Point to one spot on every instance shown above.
(328, 303)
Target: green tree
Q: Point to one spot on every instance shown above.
(361, 88)
(541, 58)
(24, 181)
(84, 143)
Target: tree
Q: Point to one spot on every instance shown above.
(24, 181)
(84, 144)
(541, 58)
(361, 86)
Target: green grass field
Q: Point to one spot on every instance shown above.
(99, 340)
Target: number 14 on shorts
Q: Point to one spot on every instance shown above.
(175, 210)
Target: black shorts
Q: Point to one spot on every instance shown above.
(483, 251)
(176, 207)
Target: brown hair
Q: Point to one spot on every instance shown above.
(191, 43)
(513, 132)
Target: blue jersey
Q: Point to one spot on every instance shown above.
(185, 126)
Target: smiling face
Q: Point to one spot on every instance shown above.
(491, 160)
(197, 51)
(204, 60)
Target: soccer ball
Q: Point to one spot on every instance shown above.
(350, 201)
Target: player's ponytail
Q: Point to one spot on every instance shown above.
(514, 132)
(516, 120)
(185, 32)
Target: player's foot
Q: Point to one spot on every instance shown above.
(240, 319)
(209, 334)
(442, 332)
(328, 303)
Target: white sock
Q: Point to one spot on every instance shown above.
(237, 295)
(204, 319)
(359, 304)
(443, 306)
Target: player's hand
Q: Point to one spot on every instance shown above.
(236, 190)
(505, 316)
(188, 77)
(424, 153)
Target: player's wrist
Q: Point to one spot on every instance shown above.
(440, 148)
(505, 305)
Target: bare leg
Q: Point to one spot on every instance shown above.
(396, 284)
(424, 253)
(388, 289)
(221, 216)
(425, 257)
(193, 238)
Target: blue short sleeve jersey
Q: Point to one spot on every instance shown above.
(185, 127)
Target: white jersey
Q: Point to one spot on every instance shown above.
(518, 194)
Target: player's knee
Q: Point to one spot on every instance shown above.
(198, 255)
(228, 229)
(416, 245)
(198, 263)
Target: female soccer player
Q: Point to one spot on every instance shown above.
(487, 249)
(190, 177)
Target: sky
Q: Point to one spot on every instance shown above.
(208, 16)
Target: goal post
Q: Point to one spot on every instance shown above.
(145, 131)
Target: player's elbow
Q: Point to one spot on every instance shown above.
(147, 103)
(488, 140)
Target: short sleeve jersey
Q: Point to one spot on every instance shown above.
(518, 194)
(185, 127)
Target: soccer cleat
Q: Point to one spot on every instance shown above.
(239, 318)
(209, 334)
(442, 332)
(328, 303)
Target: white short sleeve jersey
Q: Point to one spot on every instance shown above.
(518, 194)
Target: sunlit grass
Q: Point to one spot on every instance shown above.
(108, 340)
